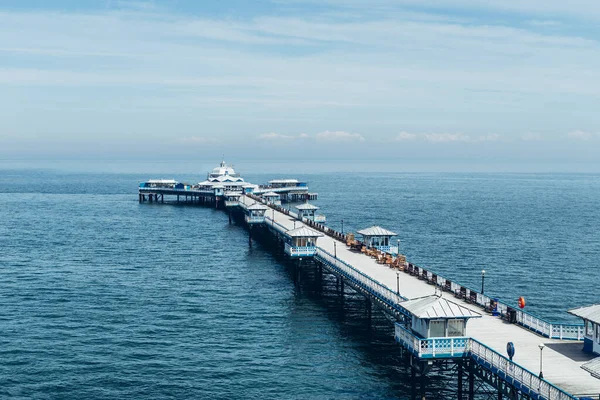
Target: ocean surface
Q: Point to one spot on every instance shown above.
(102, 297)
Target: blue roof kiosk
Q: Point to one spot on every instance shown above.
(307, 211)
(232, 199)
(255, 213)
(435, 327)
(378, 238)
(591, 320)
(272, 197)
(301, 242)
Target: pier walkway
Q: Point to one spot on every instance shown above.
(487, 336)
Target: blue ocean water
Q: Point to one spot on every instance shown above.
(103, 297)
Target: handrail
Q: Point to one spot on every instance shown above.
(526, 320)
(523, 318)
(384, 293)
(456, 347)
(439, 347)
(273, 223)
(528, 382)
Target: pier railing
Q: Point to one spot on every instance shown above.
(276, 225)
(459, 347)
(443, 347)
(363, 281)
(300, 251)
(526, 320)
(519, 377)
(254, 219)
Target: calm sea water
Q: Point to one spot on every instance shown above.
(102, 297)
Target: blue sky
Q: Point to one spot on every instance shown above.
(455, 80)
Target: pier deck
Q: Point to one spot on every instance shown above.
(562, 359)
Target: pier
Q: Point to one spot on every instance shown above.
(439, 323)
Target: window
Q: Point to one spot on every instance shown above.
(456, 327)
(437, 328)
(589, 328)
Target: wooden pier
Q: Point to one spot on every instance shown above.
(481, 353)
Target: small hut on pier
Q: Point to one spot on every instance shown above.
(272, 197)
(378, 238)
(308, 211)
(255, 213)
(591, 332)
(232, 199)
(434, 316)
(301, 242)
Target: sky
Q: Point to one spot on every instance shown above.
(452, 81)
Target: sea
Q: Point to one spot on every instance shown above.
(105, 298)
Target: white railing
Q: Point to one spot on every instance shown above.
(177, 191)
(300, 251)
(524, 319)
(252, 219)
(231, 203)
(276, 225)
(320, 218)
(443, 347)
(361, 280)
(521, 378)
(572, 332)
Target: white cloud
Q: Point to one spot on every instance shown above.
(275, 136)
(281, 137)
(339, 136)
(531, 136)
(446, 137)
(580, 135)
(493, 137)
(405, 136)
(198, 70)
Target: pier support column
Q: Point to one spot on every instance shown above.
(229, 213)
(150, 197)
(250, 236)
(423, 383)
(369, 310)
(413, 381)
(471, 380)
(460, 380)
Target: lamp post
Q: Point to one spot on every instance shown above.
(342, 227)
(398, 282)
(482, 280)
(398, 252)
(335, 249)
(541, 346)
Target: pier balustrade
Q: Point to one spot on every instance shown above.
(459, 347)
(300, 251)
(362, 281)
(519, 377)
(255, 219)
(524, 319)
(528, 321)
(443, 347)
